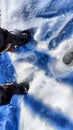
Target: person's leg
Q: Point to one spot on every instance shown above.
(8, 90)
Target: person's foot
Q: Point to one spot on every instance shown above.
(21, 88)
(8, 90)
(9, 41)
(24, 36)
(67, 59)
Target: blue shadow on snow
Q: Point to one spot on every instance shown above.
(56, 118)
(10, 115)
(65, 33)
(7, 71)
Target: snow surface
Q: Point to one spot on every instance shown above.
(49, 104)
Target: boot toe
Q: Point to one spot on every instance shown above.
(25, 36)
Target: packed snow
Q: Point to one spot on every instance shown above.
(48, 104)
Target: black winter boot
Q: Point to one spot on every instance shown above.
(22, 37)
(9, 41)
(8, 90)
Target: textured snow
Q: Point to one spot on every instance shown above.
(49, 104)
